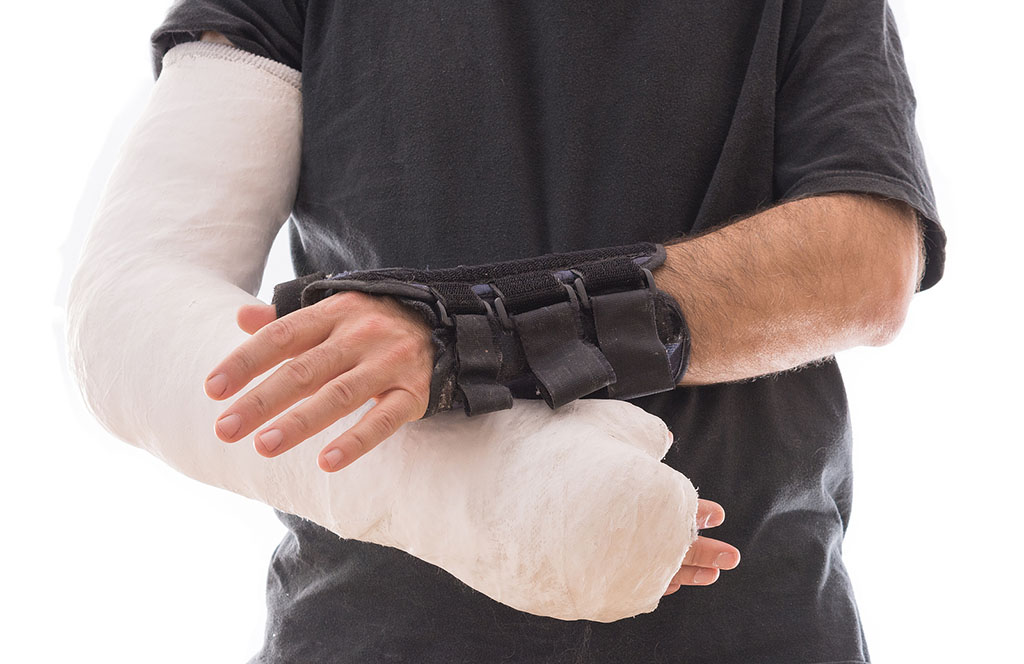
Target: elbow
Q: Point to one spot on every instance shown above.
(892, 273)
(886, 310)
(885, 325)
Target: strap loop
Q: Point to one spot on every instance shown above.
(479, 362)
(499, 305)
(581, 290)
(566, 366)
(628, 336)
(445, 318)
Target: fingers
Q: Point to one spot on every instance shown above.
(694, 576)
(709, 514)
(711, 553)
(252, 317)
(339, 362)
(703, 563)
(271, 344)
(336, 388)
(706, 557)
(707, 552)
(339, 382)
(295, 380)
(392, 410)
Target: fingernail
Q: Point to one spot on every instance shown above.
(229, 425)
(726, 560)
(705, 575)
(712, 520)
(332, 457)
(215, 385)
(271, 439)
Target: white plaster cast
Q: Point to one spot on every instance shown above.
(565, 513)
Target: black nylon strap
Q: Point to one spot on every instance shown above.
(530, 290)
(618, 272)
(288, 295)
(318, 290)
(478, 364)
(566, 366)
(459, 298)
(628, 336)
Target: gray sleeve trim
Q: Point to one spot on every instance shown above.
(201, 49)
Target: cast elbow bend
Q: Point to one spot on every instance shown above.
(94, 331)
(86, 361)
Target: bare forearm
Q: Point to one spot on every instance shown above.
(793, 284)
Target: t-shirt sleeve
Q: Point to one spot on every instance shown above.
(270, 28)
(845, 115)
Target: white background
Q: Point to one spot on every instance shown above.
(109, 556)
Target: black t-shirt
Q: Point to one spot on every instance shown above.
(439, 133)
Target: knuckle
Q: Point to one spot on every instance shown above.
(386, 422)
(334, 304)
(245, 360)
(420, 405)
(374, 428)
(393, 354)
(358, 443)
(405, 347)
(281, 332)
(373, 325)
(339, 393)
(299, 422)
(300, 372)
(258, 405)
(414, 353)
(419, 399)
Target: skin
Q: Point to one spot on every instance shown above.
(785, 287)
(794, 284)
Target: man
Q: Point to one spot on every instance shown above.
(774, 139)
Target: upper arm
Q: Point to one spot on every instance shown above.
(844, 122)
(216, 37)
(273, 29)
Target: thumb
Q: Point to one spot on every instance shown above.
(251, 317)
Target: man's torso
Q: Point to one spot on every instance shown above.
(444, 133)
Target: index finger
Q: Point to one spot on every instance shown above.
(272, 344)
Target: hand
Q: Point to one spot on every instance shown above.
(706, 556)
(347, 349)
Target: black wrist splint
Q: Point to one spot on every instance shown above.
(561, 326)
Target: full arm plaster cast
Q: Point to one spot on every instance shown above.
(565, 513)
